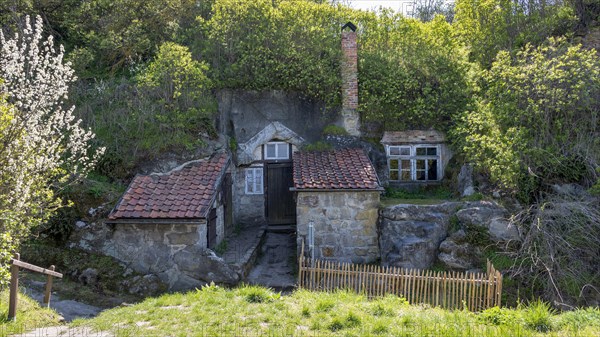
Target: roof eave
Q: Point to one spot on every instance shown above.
(152, 221)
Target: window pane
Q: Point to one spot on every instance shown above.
(420, 164)
(270, 151)
(406, 165)
(393, 164)
(394, 151)
(393, 175)
(250, 180)
(405, 175)
(420, 175)
(258, 183)
(432, 169)
(282, 151)
(405, 151)
(421, 151)
(431, 151)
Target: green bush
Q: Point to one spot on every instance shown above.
(538, 316)
(334, 130)
(531, 127)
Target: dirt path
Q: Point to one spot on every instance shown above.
(276, 265)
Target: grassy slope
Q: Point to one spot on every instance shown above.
(255, 311)
(29, 315)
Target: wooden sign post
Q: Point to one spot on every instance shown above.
(14, 283)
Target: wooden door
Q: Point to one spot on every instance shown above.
(281, 207)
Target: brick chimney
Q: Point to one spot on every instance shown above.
(350, 117)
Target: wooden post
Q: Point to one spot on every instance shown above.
(14, 289)
(47, 293)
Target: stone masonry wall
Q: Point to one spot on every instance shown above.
(345, 224)
(249, 208)
(176, 253)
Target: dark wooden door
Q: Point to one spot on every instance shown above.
(211, 231)
(281, 207)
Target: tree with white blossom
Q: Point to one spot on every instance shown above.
(43, 147)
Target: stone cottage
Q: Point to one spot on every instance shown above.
(337, 205)
(164, 219)
(267, 128)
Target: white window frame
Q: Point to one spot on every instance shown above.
(413, 157)
(278, 156)
(257, 183)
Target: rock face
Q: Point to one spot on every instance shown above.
(490, 216)
(457, 253)
(465, 181)
(169, 251)
(411, 234)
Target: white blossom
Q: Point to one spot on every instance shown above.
(42, 146)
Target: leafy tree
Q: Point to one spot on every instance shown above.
(42, 146)
(412, 74)
(538, 120)
(488, 26)
(426, 10)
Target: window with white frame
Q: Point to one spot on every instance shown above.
(277, 151)
(414, 162)
(254, 180)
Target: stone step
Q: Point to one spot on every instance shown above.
(281, 229)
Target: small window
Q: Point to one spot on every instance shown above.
(254, 180)
(413, 163)
(399, 151)
(277, 150)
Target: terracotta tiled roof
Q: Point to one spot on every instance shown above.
(334, 170)
(183, 193)
(412, 137)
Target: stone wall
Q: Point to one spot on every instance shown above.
(248, 208)
(176, 253)
(345, 224)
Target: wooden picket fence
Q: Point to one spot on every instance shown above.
(450, 290)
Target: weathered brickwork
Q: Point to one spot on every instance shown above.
(350, 83)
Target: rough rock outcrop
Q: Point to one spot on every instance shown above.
(457, 253)
(491, 216)
(167, 251)
(465, 181)
(411, 234)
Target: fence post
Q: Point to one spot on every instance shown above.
(14, 289)
(47, 293)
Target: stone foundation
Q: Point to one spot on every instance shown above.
(176, 253)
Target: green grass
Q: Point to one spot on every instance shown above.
(256, 311)
(428, 195)
(29, 315)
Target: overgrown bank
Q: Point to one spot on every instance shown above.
(253, 311)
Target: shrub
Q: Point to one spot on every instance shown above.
(538, 315)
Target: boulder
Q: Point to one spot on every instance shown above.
(491, 216)
(465, 181)
(204, 265)
(411, 234)
(456, 253)
(89, 277)
(147, 285)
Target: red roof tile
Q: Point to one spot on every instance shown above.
(334, 170)
(183, 193)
